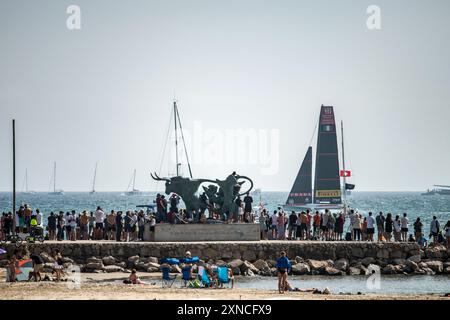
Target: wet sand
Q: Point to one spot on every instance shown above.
(108, 286)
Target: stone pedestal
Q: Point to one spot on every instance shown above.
(207, 232)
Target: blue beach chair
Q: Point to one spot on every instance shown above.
(205, 279)
(222, 275)
(167, 279)
(186, 276)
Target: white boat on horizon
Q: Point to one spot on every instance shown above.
(133, 191)
(55, 191)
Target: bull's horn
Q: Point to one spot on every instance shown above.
(156, 177)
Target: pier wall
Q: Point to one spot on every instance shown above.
(223, 250)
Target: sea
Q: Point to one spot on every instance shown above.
(412, 203)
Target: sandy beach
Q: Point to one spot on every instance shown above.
(109, 287)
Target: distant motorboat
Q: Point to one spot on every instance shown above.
(439, 189)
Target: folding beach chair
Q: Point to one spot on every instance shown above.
(205, 279)
(222, 273)
(186, 280)
(167, 280)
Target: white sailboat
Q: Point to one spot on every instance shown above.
(55, 191)
(93, 182)
(26, 184)
(133, 190)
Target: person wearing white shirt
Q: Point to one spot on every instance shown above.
(397, 228)
(39, 217)
(99, 225)
(404, 223)
(370, 226)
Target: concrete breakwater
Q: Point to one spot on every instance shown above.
(249, 258)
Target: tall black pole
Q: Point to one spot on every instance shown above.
(14, 175)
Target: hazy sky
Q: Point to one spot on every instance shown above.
(104, 93)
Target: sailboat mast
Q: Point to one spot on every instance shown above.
(343, 166)
(54, 177)
(134, 179)
(184, 144)
(26, 180)
(176, 135)
(95, 175)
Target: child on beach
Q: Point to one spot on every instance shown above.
(133, 278)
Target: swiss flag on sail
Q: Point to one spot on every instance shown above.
(345, 173)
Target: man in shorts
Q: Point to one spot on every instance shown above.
(370, 227)
(99, 226)
(38, 265)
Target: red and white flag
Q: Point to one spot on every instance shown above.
(345, 173)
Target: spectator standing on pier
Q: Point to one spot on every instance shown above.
(380, 225)
(127, 223)
(263, 225)
(303, 225)
(27, 216)
(84, 222)
(388, 226)
(51, 224)
(91, 225)
(434, 229)
(119, 226)
(308, 224)
(39, 217)
(316, 225)
(281, 225)
(404, 221)
(356, 226)
(141, 225)
(292, 228)
(99, 223)
(397, 229)
(73, 226)
(61, 226)
(248, 200)
(370, 227)
(447, 234)
(340, 226)
(418, 225)
(273, 225)
(164, 208)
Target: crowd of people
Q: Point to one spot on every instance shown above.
(327, 226)
(304, 225)
(93, 225)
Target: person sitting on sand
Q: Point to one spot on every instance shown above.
(133, 278)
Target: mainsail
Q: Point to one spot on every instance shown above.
(327, 188)
(301, 192)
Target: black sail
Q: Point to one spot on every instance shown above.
(327, 187)
(301, 192)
